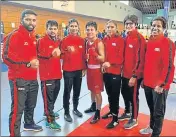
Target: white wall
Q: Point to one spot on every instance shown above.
(116, 11)
(105, 10)
(44, 4)
(64, 5)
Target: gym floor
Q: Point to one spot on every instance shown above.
(84, 103)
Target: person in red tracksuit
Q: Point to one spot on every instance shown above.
(112, 67)
(73, 55)
(95, 57)
(50, 71)
(158, 75)
(19, 54)
(132, 71)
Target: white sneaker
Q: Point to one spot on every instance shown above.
(146, 131)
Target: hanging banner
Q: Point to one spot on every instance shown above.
(166, 8)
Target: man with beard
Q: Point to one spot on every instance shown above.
(73, 55)
(20, 55)
(158, 75)
(50, 71)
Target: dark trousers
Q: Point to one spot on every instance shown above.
(112, 85)
(157, 106)
(71, 79)
(50, 90)
(24, 97)
(131, 96)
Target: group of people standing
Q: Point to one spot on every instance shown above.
(121, 65)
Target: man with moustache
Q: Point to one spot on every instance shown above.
(50, 71)
(20, 55)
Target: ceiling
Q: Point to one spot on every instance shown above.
(150, 7)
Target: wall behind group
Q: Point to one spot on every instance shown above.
(106, 9)
(98, 8)
(10, 14)
(45, 4)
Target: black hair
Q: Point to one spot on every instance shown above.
(51, 23)
(133, 18)
(27, 11)
(162, 19)
(72, 20)
(92, 23)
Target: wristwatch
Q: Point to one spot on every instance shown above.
(28, 65)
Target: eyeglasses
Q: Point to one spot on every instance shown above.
(129, 23)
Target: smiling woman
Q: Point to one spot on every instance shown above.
(158, 74)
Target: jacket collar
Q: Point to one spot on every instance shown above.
(156, 37)
(25, 32)
(71, 35)
(112, 36)
(133, 33)
(48, 37)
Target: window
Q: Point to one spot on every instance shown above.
(2, 27)
(125, 2)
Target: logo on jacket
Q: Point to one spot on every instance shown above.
(34, 42)
(157, 49)
(51, 47)
(80, 46)
(97, 86)
(131, 46)
(25, 43)
(113, 44)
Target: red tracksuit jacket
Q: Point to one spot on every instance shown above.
(159, 62)
(50, 67)
(73, 61)
(114, 53)
(19, 49)
(134, 55)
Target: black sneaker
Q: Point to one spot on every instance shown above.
(68, 118)
(32, 127)
(125, 116)
(113, 123)
(107, 115)
(96, 117)
(91, 109)
(131, 124)
(77, 113)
